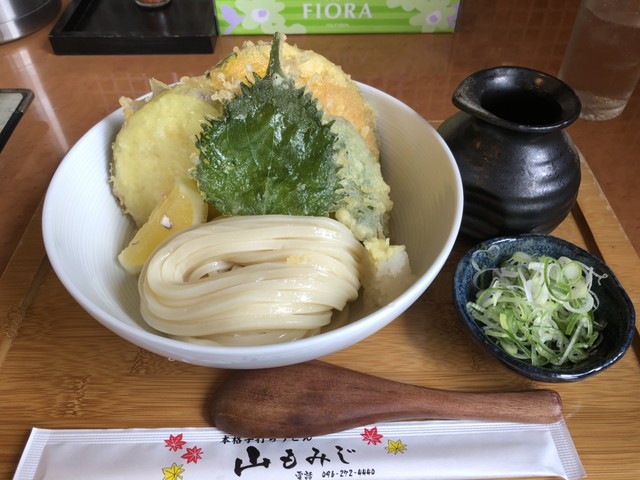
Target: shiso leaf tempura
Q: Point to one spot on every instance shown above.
(270, 152)
(539, 309)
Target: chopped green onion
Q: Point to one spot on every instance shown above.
(539, 309)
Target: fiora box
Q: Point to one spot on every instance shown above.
(265, 17)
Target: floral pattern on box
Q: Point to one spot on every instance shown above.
(260, 17)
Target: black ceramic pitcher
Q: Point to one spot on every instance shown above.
(520, 170)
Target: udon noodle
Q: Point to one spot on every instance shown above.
(248, 280)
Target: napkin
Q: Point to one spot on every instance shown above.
(425, 450)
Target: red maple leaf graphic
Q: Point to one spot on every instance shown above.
(372, 437)
(175, 442)
(193, 454)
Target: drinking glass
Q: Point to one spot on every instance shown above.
(152, 3)
(602, 60)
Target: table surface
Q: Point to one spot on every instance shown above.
(61, 369)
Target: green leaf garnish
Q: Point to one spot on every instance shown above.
(270, 152)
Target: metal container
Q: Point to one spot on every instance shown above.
(22, 17)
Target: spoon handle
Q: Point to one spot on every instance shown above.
(316, 398)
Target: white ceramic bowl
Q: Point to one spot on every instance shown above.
(84, 230)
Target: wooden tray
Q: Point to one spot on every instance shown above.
(59, 368)
(90, 27)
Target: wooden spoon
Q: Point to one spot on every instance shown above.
(316, 398)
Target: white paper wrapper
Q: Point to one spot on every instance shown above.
(442, 450)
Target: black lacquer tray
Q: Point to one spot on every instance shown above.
(93, 27)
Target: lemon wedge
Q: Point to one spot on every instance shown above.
(181, 208)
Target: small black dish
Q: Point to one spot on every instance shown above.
(121, 27)
(615, 305)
